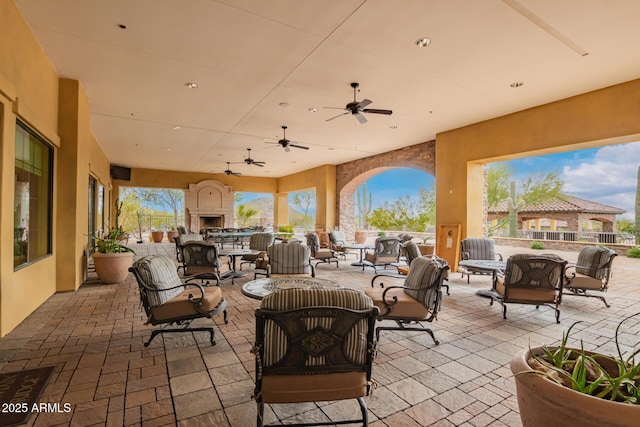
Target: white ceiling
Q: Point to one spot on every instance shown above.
(249, 56)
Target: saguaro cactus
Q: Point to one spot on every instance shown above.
(514, 205)
(364, 208)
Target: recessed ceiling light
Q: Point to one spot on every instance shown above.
(284, 104)
(313, 110)
(423, 42)
(331, 148)
(393, 126)
(191, 85)
(169, 149)
(176, 128)
(516, 84)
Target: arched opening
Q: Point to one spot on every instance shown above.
(388, 200)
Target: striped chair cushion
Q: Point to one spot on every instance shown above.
(478, 248)
(411, 251)
(261, 241)
(159, 272)
(338, 237)
(593, 259)
(188, 237)
(289, 258)
(422, 280)
(313, 241)
(355, 344)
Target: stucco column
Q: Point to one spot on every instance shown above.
(280, 210)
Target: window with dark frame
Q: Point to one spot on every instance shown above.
(33, 198)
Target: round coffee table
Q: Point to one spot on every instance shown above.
(260, 288)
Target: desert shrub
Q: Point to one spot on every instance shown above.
(537, 245)
(634, 252)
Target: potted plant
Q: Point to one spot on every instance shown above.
(172, 233)
(427, 248)
(567, 386)
(112, 258)
(157, 236)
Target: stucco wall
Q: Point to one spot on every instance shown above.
(602, 117)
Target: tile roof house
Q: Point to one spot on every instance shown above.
(569, 209)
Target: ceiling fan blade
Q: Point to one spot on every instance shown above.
(286, 148)
(335, 117)
(236, 173)
(362, 119)
(299, 146)
(334, 108)
(364, 103)
(375, 111)
(261, 164)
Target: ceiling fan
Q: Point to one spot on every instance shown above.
(250, 161)
(357, 108)
(285, 143)
(230, 172)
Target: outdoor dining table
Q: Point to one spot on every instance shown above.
(260, 288)
(361, 247)
(487, 265)
(234, 254)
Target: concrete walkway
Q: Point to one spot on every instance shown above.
(94, 338)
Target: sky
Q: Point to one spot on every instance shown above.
(606, 175)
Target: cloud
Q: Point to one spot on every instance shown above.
(610, 177)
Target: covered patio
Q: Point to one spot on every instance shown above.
(94, 339)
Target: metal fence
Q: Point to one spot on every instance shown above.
(575, 236)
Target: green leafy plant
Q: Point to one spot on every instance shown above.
(285, 228)
(381, 234)
(607, 377)
(634, 252)
(112, 241)
(537, 245)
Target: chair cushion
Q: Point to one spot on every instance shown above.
(593, 259)
(180, 306)
(585, 282)
(478, 248)
(411, 251)
(189, 237)
(159, 272)
(422, 280)
(518, 294)
(289, 258)
(406, 307)
(261, 241)
(338, 237)
(313, 388)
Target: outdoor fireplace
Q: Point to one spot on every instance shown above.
(211, 221)
(208, 204)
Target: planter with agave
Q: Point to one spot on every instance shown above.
(112, 258)
(567, 386)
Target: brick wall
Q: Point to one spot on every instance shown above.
(350, 175)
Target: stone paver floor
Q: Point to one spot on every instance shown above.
(94, 338)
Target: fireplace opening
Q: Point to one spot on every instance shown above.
(211, 221)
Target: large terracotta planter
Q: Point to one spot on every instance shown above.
(112, 268)
(427, 249)
(545, 403)
(172, 235)
(157, 236)
(361, 236)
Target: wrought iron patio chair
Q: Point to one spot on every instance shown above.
(167, 301)
(477, 248)
(386, 251)
(417, 300)
(314, 345)
(257, 242)
(591, 273)
(319, 254)
(531, 279)
(201, 260)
